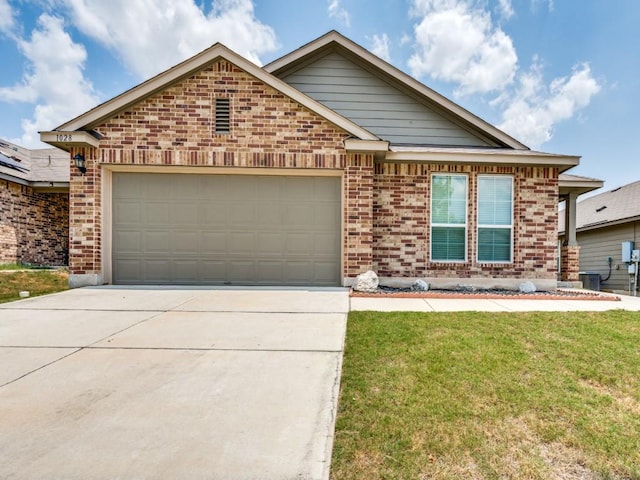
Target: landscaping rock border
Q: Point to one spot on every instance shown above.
(390, 292)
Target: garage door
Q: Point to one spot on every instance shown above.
(226, 229)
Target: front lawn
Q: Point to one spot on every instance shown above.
(36, 282)
(489, 396)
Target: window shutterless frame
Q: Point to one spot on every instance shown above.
(449, 218)
(495, 199)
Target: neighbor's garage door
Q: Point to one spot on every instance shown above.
(226, 229)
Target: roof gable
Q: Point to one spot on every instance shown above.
(468, 129)
(112, 107)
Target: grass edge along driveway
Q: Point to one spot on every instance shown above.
(36, 282)
(486, 396)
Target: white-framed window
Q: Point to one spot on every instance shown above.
(495, 219)
(448, 218)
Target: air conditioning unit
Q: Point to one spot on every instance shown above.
(590, 280)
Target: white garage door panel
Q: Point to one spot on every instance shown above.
(226, 229)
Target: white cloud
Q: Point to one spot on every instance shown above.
(533, 109)
(6, 16)
(380, 46)
(505, 9)
(54, 79)
(336, 11)
(152, 35)
(457, 42)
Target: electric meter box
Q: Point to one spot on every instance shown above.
(627, 248)
(635, 256)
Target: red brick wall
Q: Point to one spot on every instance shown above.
(401, 225)
(34, 226)
(358, 215)
(385, 208)
(570, 263)
(176, 127)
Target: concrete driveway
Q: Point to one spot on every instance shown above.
(132, 383)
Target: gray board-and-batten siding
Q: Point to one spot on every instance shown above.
(374, 104)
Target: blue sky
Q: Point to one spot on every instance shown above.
(561, 76)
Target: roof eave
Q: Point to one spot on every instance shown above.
(563, 163)
(99, 114)
(605, 224)
(579, 187)
(50, 187)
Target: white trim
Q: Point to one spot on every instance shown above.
(354, 145)
(107, 224)
(510, 226)
(106, 275)
(66, 139)
(450, 225)
(483, 157)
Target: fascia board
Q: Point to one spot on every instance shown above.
(580, 186)
(10, 178)
(480, 157)
(607, 223)
(117, 104)
(353, 145)
(66, 139)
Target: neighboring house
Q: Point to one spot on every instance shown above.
(34, 205)
(603, 223)
(307, 171)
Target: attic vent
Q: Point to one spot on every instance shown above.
(601, 208)
(223, 116)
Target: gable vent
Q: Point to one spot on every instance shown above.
(223, 115)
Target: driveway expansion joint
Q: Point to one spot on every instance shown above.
(42, 366)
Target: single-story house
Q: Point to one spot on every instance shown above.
(34, 205)
(603, 223)
(307, 171)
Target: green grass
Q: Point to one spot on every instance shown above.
(489, 396)
(36, 282)
(23, 266)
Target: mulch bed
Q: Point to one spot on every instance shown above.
(492, 294)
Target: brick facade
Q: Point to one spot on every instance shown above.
(386, 206)
(176, 128)
(402, 215)
(34, 226)
(358, 215)
(570, 263)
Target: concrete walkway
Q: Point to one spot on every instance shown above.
(493, 305)
(106, 383)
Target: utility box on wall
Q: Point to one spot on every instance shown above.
(627, 249)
